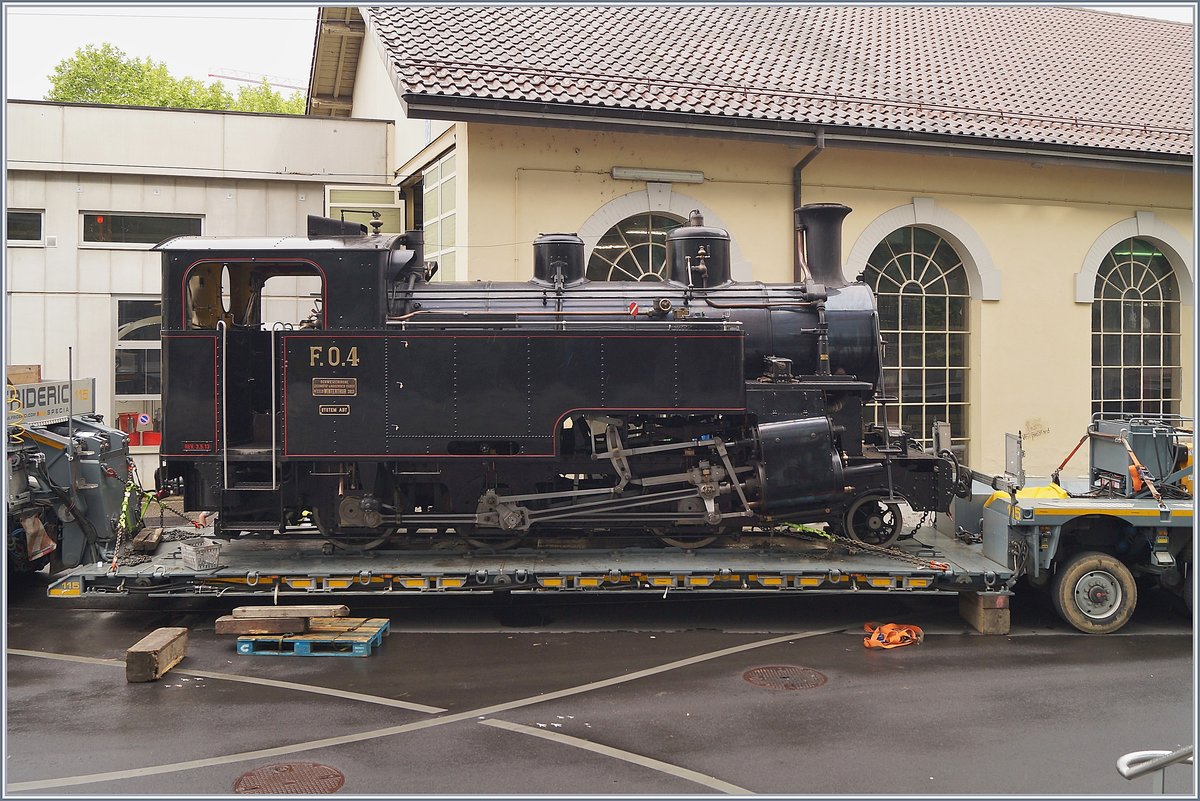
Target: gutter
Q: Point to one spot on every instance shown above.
(798, 201)
(564, 115)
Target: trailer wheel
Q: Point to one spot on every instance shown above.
(1095, 593)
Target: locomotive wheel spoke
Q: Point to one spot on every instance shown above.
(872, 521)
(682, 538)
(380, 537)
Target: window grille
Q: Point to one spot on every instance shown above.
(1135, 332)
(923, 298)
(634, 249)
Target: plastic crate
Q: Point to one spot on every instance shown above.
(200, 554)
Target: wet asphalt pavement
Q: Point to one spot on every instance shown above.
(581, 694)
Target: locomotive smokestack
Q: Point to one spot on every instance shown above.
(820, 224)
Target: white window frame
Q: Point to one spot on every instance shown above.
(426, 220)
(83, 245)
(397, 199)
(961, 439)
(26, 243)
(118, 344)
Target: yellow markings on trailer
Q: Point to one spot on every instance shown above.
(1117, 512)
(412, 583)
(771, 581)
(700, 581)
(880, 581)
(913, 581)
(589, 581)
(338, 584)
(299, 583)
(551, 581)
(809, 581)
(450, 582)
(67, 589)
(662, 581)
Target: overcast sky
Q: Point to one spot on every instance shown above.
(274, 41)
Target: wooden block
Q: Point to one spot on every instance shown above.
(228, 624)
(291, 611)
(987, 612)
(146, 540)
(155, 654)
(24, 373)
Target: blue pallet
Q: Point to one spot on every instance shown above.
(327, 637)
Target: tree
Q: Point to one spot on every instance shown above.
(106, 74)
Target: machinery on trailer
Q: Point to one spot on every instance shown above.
(1091, 549)
(68, 474)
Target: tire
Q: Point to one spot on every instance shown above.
(1095, 593)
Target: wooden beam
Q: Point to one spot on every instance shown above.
(352, 30)
(155, 654)
(329, 101)
(228, 624)
(987, 612)
(327, 610)
(146, 541)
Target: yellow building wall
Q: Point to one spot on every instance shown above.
(1030, 367)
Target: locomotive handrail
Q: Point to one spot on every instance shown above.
(668, 325)
(222, 329)
(274, 420)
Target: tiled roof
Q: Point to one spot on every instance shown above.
(1046, 75)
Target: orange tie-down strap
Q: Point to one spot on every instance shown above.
(891, 635)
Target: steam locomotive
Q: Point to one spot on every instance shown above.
(688, 410)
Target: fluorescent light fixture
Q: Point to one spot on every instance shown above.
(659, 176)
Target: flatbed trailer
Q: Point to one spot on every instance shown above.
(929, 562)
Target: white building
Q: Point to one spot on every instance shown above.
(90, 189)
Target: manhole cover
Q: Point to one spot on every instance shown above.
(784, 677)
(290, 778)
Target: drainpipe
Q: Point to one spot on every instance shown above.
(798, 266)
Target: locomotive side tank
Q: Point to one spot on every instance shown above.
(688, 409)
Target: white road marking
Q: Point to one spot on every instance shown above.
(283, 685)
(625, 756)
(345, 739)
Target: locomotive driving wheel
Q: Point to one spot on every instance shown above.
(352, 540)
(682, 538)
(873, 521)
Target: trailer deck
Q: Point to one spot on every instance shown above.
(931, 562)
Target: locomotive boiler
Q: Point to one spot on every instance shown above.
(688, 410)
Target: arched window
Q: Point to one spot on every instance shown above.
(922, 292)
(634, 249)
(1135, 332)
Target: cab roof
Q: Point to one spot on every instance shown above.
(282, 244)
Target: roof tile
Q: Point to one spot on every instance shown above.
(1059, 75)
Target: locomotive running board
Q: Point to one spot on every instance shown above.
(939, 564)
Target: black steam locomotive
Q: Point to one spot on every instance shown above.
(688, 409)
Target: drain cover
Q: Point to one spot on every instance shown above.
(784, 677)
(290, 778)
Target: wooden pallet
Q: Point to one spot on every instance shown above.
(327, 636)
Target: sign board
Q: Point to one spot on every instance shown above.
(49, 402)
(143, 419)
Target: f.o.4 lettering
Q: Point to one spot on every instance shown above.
(332, 356)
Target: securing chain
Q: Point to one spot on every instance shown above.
(854, 546)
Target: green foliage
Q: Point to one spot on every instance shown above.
(105, 74)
